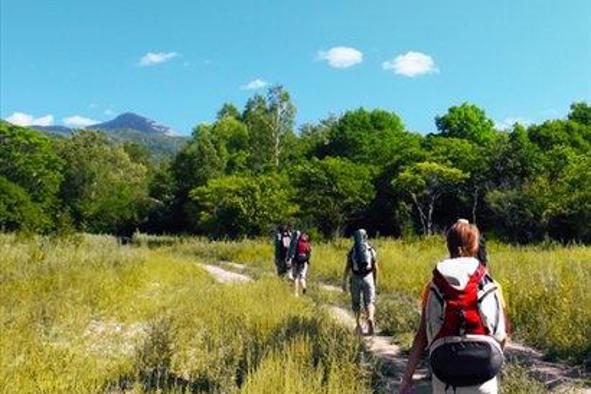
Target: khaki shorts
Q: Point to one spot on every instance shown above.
(363, 289)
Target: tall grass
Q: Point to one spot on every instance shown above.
(88, 315)
(546, 287)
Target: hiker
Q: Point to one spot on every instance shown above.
(301, 262)
(282, 244)
(362, 268)
(291, 253)
(463, 321)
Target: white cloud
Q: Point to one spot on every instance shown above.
(22, 119)
(152, 58)
(341, 57)
(508, 123)
(79, 121)
(411, 64)
(255, 84)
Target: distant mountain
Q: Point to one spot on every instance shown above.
(160, 140)
(131, 121)
(59, 130)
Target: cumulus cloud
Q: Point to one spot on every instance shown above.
(23, 119)
(341, 57)
(79, 121)
(255, 84)
(508, 123)
(411, 64)
(153, 58)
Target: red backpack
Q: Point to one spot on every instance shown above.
(463, 352)
(304, 247)
(462, 315)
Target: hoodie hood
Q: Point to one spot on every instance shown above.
(458, 271)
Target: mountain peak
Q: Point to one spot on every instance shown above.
(133, 121)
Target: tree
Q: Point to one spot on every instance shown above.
(426, 182)
(199, 160)
(231, 139)
(105, 191)
(270, 122)
(17, 211)
(228, 110)
(365, 136)
(332, 192)
(32, 173)
(466, 121)
(553, 133)
(580, 113)
(237, 206)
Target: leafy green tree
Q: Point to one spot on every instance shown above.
(553, 133)
(365, 136)
(333, 192)
(104, 190)
(17, 211)
(426, 183)
(237, 206)
(466, 121)
(29, 162)
(231, 139)
(228, 110)
(580, 113)
(570, 205)
(270, 123)
(198, 161)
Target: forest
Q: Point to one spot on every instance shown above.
(251, 169)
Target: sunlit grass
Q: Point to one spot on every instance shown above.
(87, 315)
(546, 286)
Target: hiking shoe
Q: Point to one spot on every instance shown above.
(304, 291)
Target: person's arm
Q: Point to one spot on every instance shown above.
(375, 268)
(418, 347)
(375, 274)
(346, 273)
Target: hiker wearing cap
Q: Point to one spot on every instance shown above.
(362, 270)
(463, 322)
(282, 244)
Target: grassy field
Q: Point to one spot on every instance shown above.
(546, 287)
(86, 315)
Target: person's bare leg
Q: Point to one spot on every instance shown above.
(297, 285)
(358, 329)
(303, 283)
(370, 311)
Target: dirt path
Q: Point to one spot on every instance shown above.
(225, 276)
(391, 362)
(555, 376)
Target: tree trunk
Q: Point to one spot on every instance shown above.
(421, 213)
(474, 205)
(430, 217)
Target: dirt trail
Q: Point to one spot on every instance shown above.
(391, 362)
(555, 376)
(225, 276)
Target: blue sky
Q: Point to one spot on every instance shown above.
(73, 61)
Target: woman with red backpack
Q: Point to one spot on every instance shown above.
(463, 322)
(302, 251)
